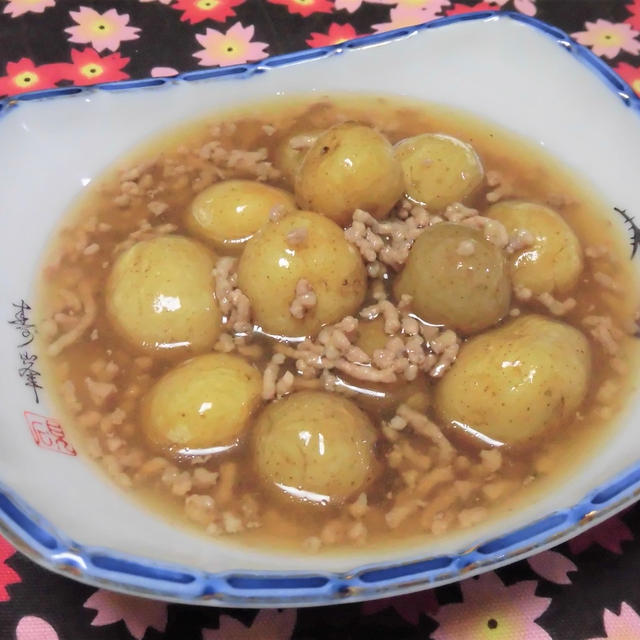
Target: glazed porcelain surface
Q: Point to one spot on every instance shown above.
(529, 78)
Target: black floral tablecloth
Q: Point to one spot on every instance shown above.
(588, 588)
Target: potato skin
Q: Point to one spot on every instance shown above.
(350, 166)
(555, 261)
(314, 445)
(439, 169)
(202, 403)
(464, 292)
(228, 213)
(159, 296)
(288, 159)
(379, 396)
(513, 383)
(270, 267)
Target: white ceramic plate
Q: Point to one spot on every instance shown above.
(515, 71)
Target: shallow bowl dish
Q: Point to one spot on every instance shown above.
(522, 74)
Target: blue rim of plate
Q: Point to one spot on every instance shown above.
(47, 546)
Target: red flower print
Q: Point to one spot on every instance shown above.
(337, 33)
(195, 11)
(634, 10)
(7, 574)
(409, 607)
(89, 68)
(458, 8)
(23, 76)
(610, 535)
(306, 7)
(631, 74)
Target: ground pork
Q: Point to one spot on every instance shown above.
(305, 299)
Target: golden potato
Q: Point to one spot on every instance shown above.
(382, 396)
(371, 335)
(350, 166)
(272, 264)
(314, 446)
(228, 213)
(203, 403)
(159, 296)
(456, 278)
(512, 383)
(439, 169)
(554, 262)
(291, 150)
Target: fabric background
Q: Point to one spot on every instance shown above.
(587, 588)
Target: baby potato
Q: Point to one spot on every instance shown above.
(201, 404)
(554, 262)
(291, 150)
(513, 383)
(159, 296)
(439, 169)
(456, 278)
(379, 396)
(314, 446)
(350, 166)
(228, 213)
(272, 264)
(371, 335)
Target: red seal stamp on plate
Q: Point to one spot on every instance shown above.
(48, 433)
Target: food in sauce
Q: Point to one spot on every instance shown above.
(457, 278)
(439, 170)
(158, 296)
(349, 166)
(347, 321)
(514, 382)
(229, 213)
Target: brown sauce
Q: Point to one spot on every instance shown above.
(147, 194)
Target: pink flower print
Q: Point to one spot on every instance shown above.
(489, 609)
(607, 39)
(34, 628)
(402, 16)
(528, 7)
(625, 626)
(432, 8)
(552, 566)
(17, 8)
(409, 607)
(353, 5)
(102, 30)
(233, 47)
(138, 614)
(161, 1)
(163, 72)
(348, 5)
(269, 624)
(609, 535)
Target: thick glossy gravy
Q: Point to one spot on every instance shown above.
(99, 380)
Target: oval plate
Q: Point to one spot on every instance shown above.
(527, 76)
